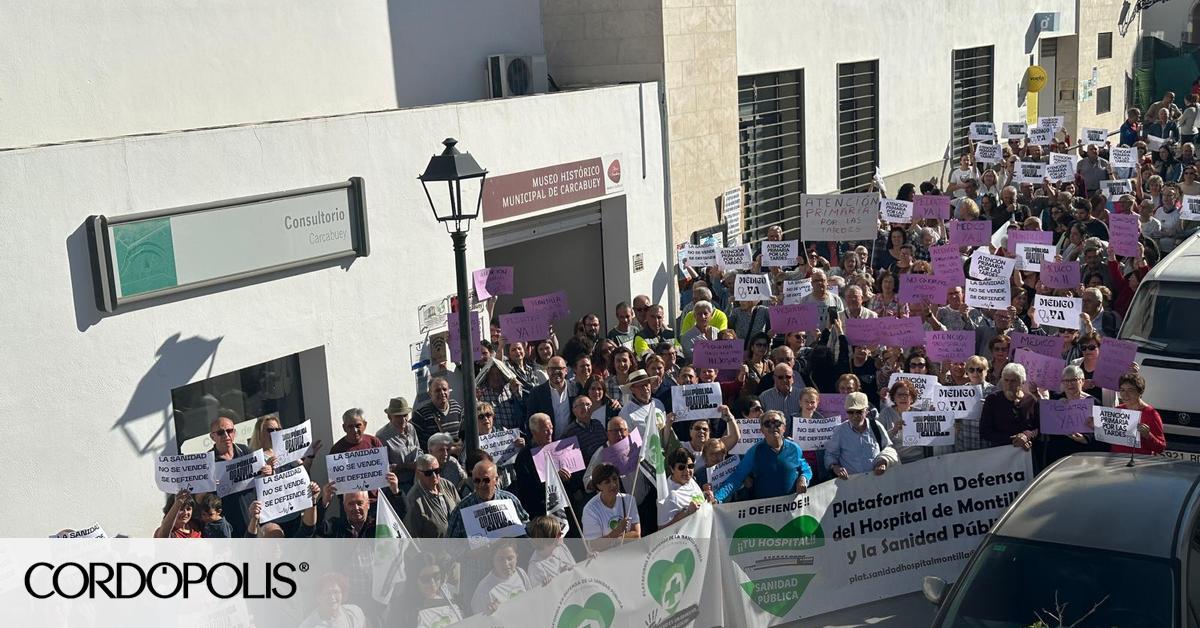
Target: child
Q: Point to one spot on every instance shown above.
(550, 557)
(212, 518)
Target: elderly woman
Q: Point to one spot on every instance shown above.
(451, 468)
(611, 514)
(699, 432)
(966, 431)
(1057, 446)
(1010, 415)
(885, 303)
(684, 496)
(703, 330)
(1154, 441)
(902, 395)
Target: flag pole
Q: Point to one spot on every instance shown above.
(568, 506)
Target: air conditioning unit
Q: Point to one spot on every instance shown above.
(516, 75)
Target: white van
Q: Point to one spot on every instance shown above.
(1164, 321)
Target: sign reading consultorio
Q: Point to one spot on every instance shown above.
(153, 254)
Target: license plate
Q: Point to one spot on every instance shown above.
(1187, 456)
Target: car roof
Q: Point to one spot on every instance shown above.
(1181, 264)
(1096, 500)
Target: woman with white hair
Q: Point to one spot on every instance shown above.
(703, 312)
(451, 468)
(1062, 445)
(1010, 415)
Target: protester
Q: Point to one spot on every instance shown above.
(550, 557)
(177, 521)
(554, 397)
(860, 444)
(903, 396)
(484, 479)
(684, 496)
(1131, 388)
(504, 582)
(400, 438)
(777, 464)
(427, 599)
(441, 446)
(611, 514)
(331, 611)
(1010, 415)
(440, 414)
(430, 501)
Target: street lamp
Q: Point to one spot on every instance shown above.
(456, 169)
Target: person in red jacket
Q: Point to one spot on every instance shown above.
(1151, 427)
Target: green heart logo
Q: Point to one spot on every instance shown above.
(777, 595)
(668, 579)
(803, 533)
(654, 451)
(597, 612)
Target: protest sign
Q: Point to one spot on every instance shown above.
(1071, 159)
(950, 346)
(947, 263)
(1066, 416)
(455, 338)
(1122, 157)
(1030, 255)
(495, 519)
(989, 153)
(1117, 426)
(554, 305)
(700, 255)
(1049, 346)
(796, 289)
(982, 131)
(1190, 209)
(1054, 123)
(525, 326)
(283, 493)
(987, 266)
(190, 472)
(918, 288)
(896, 211)
(970, 233)
(291, 444)
(964, 402)
(1040, 136)
(1115, 188)
(932, 205)
(990, 294)
(901, 332)
(237, 474)
(926, 385)
(1154, 142)
(750, 433)
(1123, 232)
(839, 217)
(696, 401)
(1116, 359)
(358, 470)
(1060, 312)
(829, 404)
(718, 354)
(723, 469)
(1064, 275)
(490, 282)
(566, 455)
(863, 332)
(752, 288)
(91, 532)
(812, 434)
(1042, 371)
(1059, 172)
(1013, 130)
(1093, 137)
(735, 258)
(789, 318)
(1034, 236)
(501, 445)
(928, 429)
(1029, 172)
(780, 253)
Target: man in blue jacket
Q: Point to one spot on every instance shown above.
(777, 464)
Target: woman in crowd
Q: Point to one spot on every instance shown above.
(331, 609)
(684, 496)
(699, 433)
(504, 582)
(1057, 446)
(1089, 346)
(623, 363)
(177, 521)
(451, 468)
(611, 514)
(966, 431)
(1010, 415)
(810, 398)
(902, 394)
(427, 601)
(758, 361)
(886, 258)
(998, 348)
(485, 422)
(604, 407)
(884, 303)
(542, 352)
(1154, 441)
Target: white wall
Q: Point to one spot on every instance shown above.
(68, 375)
(83, 70)
(913, 41)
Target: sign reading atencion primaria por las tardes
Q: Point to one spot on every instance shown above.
(152, 254)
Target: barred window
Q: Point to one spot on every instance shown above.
(771, 147)
(858, 124)
(972, 95)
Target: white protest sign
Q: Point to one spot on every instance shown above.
(987, 266)
(237, 474)
(496, 519)
(1060, 172)
(1122, 157)
(1190, 210)
(1040, 136)
(928, 429)
(1093, 137)
(1029, 172)
(701, 255)
(812, 434)
(896, 211)
(839, 217)
(780, 253)
(190, 472)
(1030, 255)
(1053, 123)
(982, 131)
(1153, 142)
(1070, 159)
(752, 288)
(734, 258)
(696, 401)
(501, 445)
(1113, 189)
(991, 294)
(723, 469)
(731, 211)
(1013, 130)
(283, 493)
(796, 289)
(926, 385)
(751, 435)
(1117, 426)
(358, 470)
(291, 444)
(964, 402)
(1061, 312)
(92, 532)
(989, 153)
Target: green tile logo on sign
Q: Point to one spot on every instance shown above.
(145, 256)
(668, 579)
(597, 612)
(777, 595)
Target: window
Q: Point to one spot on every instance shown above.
(269, 388)
(858, 124)
(971, 99)
(1103, 100)
(1104, 46)
(771, 150)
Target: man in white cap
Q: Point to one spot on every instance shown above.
(860, 444)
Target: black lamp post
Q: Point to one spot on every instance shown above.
(456, 169)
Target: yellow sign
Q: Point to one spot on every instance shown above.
(1035, 78)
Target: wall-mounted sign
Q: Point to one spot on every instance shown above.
(153, 254)
(530, 191)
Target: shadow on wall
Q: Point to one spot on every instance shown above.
(177, 362)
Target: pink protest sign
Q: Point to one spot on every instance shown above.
(1115, 359)
(970, 232)
(950, 346)
(1066, 416)
(624, 454)
(454, 335)
(1043, 372)
(1063, 275)
(718, 354)
(788, 318)
(525, 326)
(948, 264)
(931, 206)
(902, 332)
(1049, 346)
(566, 455)
(554, 305)
(863, 332)
(1123, 231)
(832, 404)
(915, 288)
(492, 281)
(1016, 236)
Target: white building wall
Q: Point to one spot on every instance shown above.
(83, 70)
(68, 374)
(913, 41)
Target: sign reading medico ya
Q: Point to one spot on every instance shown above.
(153, 254)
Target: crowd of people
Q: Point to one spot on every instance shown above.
(611, 390)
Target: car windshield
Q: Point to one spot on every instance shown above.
(1013, 582)
(1160, 319)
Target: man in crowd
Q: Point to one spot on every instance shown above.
(625, 330)
(590, 432)
(486, 482)
(354, 423)
(430, 501)
(439, 414)
(641, 308)
(554, 397)
(784, 396)
(400, 438)
(653, 332)
(506, 396)
(854, 304)
(777, 464)
(584, 342)
(956, 315)
(822, 298)
(859, 445)
(1093, 169)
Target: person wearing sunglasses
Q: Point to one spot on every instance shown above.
(223, 433)
(777, 464)
(1089, 347)
(684, 495)
(486, 482)
(427, 602)
(966, 432)
(430, 501)
(860, 444)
